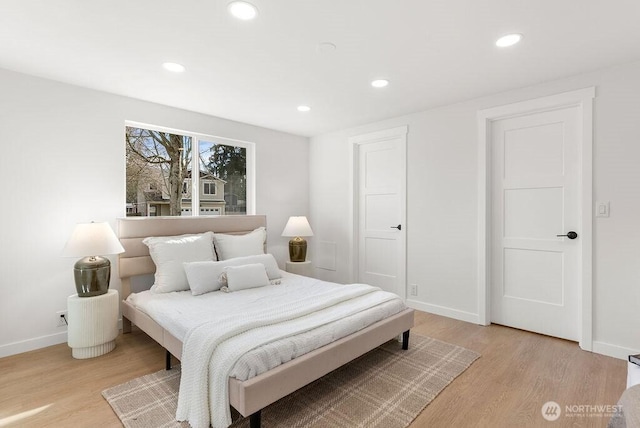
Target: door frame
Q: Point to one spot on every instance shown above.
(583, 100)
(355, 143)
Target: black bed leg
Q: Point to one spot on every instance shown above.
(254, 420)
(168, 361)
(405, 340)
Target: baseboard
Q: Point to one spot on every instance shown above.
(614, 351)
(444, 311)
(33, 344)
(37, 343)
(603, 348)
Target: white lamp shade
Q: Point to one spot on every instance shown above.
(92, 239)
(297, 226)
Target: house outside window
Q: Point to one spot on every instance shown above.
(176, 173)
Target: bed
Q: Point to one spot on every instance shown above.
(249, 396)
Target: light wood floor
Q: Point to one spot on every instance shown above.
(506, 387)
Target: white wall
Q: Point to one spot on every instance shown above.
(62, 162)
(442, 202)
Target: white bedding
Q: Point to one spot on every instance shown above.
(179, 312)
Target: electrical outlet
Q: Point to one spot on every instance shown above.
(602, 209)
(61, 319)
(414, 290)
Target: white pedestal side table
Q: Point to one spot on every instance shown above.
(300, 268)
(93, 324)
(633, 374)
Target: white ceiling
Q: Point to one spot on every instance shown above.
(434, 52)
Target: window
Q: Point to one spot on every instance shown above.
(226, 167)
(164, 166)
(209, 188)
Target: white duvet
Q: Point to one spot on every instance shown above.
(248, 332)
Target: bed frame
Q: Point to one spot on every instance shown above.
(250, 396)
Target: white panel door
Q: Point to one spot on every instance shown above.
(535, 188)
(381, 211)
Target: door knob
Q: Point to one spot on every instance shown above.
(570, 235)
(399, 227)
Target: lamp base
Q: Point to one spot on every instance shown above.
(92, 275)
(297, 249)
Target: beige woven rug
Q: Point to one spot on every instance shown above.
(387, 387)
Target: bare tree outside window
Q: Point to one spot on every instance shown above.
(156, 160)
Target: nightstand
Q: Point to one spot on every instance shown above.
(93, 324)
(633, 375)
(300, 268)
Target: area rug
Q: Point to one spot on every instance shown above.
(387, 387)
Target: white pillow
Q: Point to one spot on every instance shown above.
(246, 276)
(169, 252)
(204, 277)
(230, 246)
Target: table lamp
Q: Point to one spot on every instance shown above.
(297, 227)
(92, 272)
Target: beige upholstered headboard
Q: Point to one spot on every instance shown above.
(132, 230)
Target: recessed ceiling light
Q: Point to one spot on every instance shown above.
(243, 10)
(379, 83)
(304, 108)
(173, 67)
(508, 40)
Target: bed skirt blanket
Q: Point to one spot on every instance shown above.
(211, 349)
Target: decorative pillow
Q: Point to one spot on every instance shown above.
(245, 277)
(169, 252)
(204, 277)
(231, 246)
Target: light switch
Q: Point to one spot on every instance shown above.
(602, 209)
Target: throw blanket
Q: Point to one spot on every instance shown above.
(211, 349)
(627, 413)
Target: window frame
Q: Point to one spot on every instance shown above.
(196, 138)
